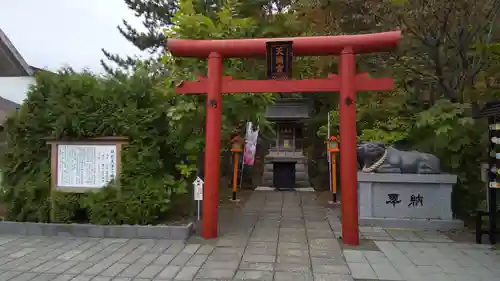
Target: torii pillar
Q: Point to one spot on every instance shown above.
(347, 82)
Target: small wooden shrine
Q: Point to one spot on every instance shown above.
(285, 166)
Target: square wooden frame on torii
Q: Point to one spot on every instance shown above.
(347, 82)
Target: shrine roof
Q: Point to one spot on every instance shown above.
(287, 111)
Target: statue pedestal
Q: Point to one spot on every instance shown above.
(419, 201)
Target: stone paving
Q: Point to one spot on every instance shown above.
(276, 236)
(280, 236)
(404, 254)
(415, 261)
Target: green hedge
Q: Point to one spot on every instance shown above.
(81, 105)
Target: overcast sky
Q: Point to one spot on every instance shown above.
(54, 33)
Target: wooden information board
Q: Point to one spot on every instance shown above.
(79, 166)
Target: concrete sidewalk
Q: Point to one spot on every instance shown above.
(282, 236)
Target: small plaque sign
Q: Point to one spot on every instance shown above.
(279, 59)
(198, 189)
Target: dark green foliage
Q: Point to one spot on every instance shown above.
(75, 106)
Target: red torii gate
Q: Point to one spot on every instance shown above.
(347, 83)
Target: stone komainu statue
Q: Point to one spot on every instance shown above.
(379, 158)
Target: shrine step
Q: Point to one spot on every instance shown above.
(298, 184)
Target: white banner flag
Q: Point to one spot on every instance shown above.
(250, 144)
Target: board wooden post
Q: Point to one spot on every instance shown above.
(119, 147)
(90, 168)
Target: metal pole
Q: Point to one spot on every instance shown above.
(334, 178)
(241, 175)
(329, 156)
(243, 157)
(198, 209)
(235, 173)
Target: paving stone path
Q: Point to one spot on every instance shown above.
(411, 255)
(280, 236)
(416, 261)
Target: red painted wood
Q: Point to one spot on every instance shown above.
(347, 84)
(212, 147)
(332, 84)
(348, 154)
(302, 46)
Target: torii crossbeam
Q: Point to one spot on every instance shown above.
(347, 82)
(331, 84)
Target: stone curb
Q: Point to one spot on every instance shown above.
(181, 232)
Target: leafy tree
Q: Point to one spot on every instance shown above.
(190, 24)
(159, 14)
(449, 51)
(450, 42)
(447, 130)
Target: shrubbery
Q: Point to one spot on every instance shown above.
(75, 106)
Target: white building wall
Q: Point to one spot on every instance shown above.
(15, 88)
